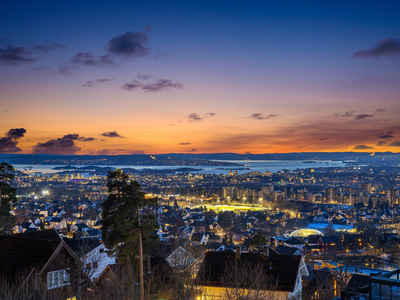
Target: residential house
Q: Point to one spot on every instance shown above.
(320, 284)
(226, 274)
(180, 259)
(293, 242)
(40, 262)
(96, 260)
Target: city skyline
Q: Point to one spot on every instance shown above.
(199, 77)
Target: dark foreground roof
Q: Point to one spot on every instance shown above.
(278, 272)
(18, 253)
(49, 234)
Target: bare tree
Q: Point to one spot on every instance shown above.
(245, 281)
(342, 275)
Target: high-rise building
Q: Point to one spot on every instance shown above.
(330, 194)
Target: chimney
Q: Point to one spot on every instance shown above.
(238, 251)
(265, 253)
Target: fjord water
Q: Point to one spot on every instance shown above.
(245, 166)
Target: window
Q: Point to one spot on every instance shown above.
(101, 250)
(95, 265)
(88, 266)
(58, 278)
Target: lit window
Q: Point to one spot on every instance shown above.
(58, 278)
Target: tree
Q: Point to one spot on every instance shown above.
(225, 219)
(246, 281)
(257, 241)
(121, 213)
(8, 197)
(124, 225)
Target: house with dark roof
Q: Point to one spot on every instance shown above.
(228, 274)
(115, 276)
(285, 250)
(293, 242)
(40, 262)
(320, 284)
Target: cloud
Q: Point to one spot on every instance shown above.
(39, 69)
(388, 47)
(394, 144)
(379, 110)
(362, 147)
(130, 44)
(137, 152)
(260, 116)
(350, 113)
(90, 60)
(363, 116)
(194, 117)
(14, 56)
(133, 85)
(210, 114)
(5, 110)
(49, 46)
(117, 152)
(76, 137)
(346, 114)
(383, 135)
(192, 150)
(67, 70)
(88, 139)
(8, 143)
(184, 144)
(381, 143)
(144, 76)
(323, 139)
(342, 135)
(112, 134)
(160, 54)
(64, 146)
(92, 83)
(157, 86)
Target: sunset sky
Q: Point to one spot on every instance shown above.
(122, 77)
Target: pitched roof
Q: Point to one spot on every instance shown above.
(281, 269)
(313, 239)
(285, 250)
(293, 241)
(50, 234)
(24, 253)
(81, 246)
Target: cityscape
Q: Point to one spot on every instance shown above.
(199, 150)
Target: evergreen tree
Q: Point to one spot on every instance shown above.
(8, 197)
(121, 211)
(257, 241)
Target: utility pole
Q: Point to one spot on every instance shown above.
(140, 259)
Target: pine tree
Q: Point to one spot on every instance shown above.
(121, 211)
(8, 197)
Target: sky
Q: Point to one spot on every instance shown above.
(126, 77)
